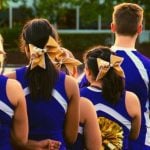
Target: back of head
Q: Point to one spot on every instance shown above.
(37, 33)
(127, 17)
(100, 62)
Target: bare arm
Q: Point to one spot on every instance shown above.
(31, 144)
(92, 132)
(134, 110)
(72, 115)
(20, 121)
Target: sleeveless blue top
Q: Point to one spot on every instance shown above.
(114, 121)
(6, 114)
(137, 71)
(46, 118)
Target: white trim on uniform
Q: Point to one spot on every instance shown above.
(114, 114)
(5, 108)
(147, 119)
(94, 89)
(56, 95)
(139, 65)
(80, 130)
(116, 48)
(26, 91)
(79, 79)
(60, 99)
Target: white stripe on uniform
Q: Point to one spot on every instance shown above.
(5, 108)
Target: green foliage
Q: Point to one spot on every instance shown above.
(57, 12)
(78, 43)
(5, 3)
(89, 10)
(11, 38)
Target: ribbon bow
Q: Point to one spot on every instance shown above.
(37, 54)
(104, 66)
(64, 59)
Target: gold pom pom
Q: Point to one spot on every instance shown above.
(112, 134)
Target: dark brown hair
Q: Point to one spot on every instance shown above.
(127, 17)
(41, 81)
(112, 84)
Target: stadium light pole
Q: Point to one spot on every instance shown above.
(77, 17)
(10, 16)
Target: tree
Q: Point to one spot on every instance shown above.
(20, 15)
(89, 9)
(3, 4)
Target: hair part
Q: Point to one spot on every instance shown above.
(127, 17)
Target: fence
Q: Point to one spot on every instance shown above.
(145, 36)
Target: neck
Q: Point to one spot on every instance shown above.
(125, 41)
(96, 84)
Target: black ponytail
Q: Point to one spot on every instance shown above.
(112, 84)
(41, 81)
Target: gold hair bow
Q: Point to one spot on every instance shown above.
(104, 66)
(37, 54)
(64, 58)
(53, 48)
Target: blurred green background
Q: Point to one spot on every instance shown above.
(81, 24)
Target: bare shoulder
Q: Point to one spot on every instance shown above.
(70, 80)
(13, 83)
(131, 97)
(87, 109)
(14, 91)
(132, 103)
(71, 86)
(86, 103)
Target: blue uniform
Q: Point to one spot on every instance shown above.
(6, 114)
(46, 118)
(82, 81)
(114, 121)
(137, 72)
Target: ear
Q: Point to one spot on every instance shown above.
(140, 29)
(113, 27)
